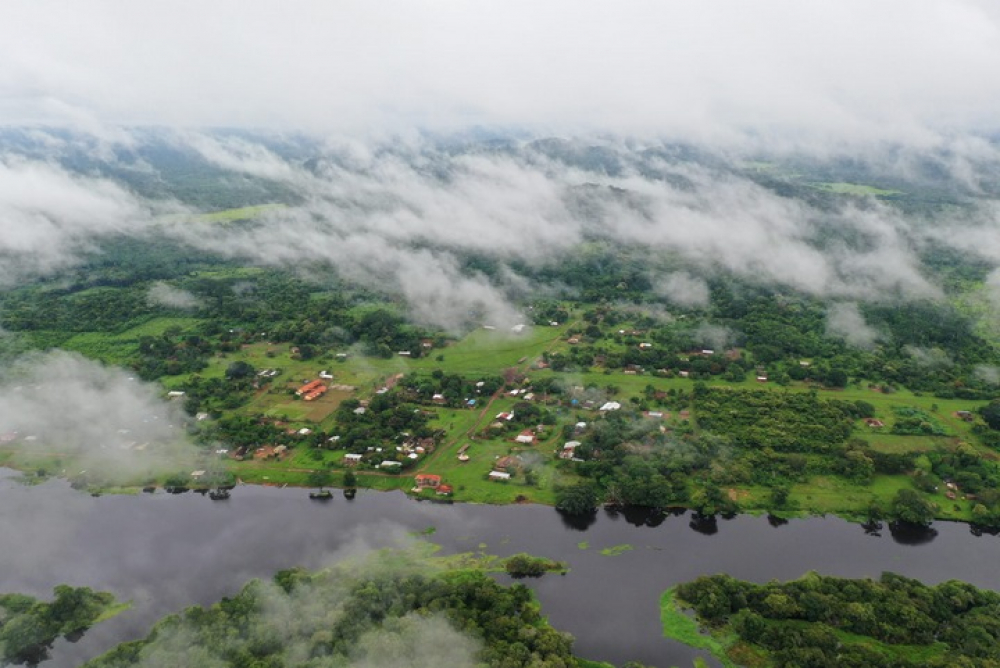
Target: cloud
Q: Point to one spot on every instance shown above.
(163, 294)
(682, 289)
(48, 216)
(988, 374)
(844, 320)
(715, 337)
(403, 211)
(698, 71)
(61, 403)
(929, 358)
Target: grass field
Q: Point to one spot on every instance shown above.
(226, 215)
(842, 188)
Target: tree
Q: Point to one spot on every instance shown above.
(578, 499)
(350, 479)
(238, 370)
(319, 479)
(910, 506)
(991, 414)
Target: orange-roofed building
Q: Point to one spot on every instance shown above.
(428, 480)
(309, 387)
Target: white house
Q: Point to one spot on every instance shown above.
(499, 475)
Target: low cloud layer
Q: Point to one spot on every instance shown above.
(405, 216)
(48, 216)
(845, 321)
(164, 294)
(911, 71)
(62, 404)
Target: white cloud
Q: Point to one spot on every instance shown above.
(62, 403)
(701, 71)
(164, 294)
(844, 320)
(48, 215)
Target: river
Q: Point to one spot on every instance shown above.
(165, 552)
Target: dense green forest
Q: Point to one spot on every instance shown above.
(28, 626)
(820, 622)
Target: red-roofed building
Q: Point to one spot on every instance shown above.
(425, 480)
(310, 387)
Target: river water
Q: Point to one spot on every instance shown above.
(165, 552)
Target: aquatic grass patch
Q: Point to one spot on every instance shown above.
(616, 550)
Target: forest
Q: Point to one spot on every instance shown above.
(819, 621)
(28, 626)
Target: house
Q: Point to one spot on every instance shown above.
(873, 423)
(761, 379)
(507, 462)
(499, 475)
(305, 431)
(573, 340)
(610, 406)
(438, 399)
(351, 459)
(707, 351)
(310, 387)
(569, 449)
(967, 416)
(444, 490)
(645, 346)
(389, 463)
(427, 343)
(201, 416)
(425, 480)
(505, 416)
(517, 329)
(527, 437)
(325, 375)
(175, 394)
(404, 353)
(683, 374)
(654, 415)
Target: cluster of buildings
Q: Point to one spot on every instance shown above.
(311, 390)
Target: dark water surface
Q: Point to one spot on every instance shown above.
(166, 552)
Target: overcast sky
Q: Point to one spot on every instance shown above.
(850, 70)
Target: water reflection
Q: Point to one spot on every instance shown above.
(905, 533)
(578, 522)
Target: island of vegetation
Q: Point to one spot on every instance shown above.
(819, 622)
(28, 626)
(393, 608)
